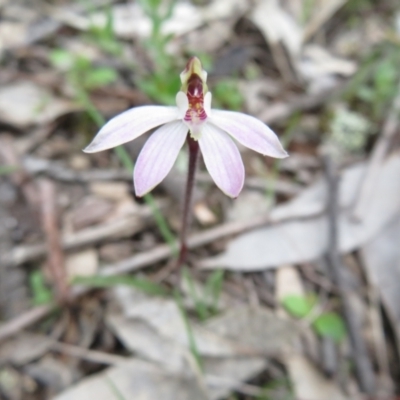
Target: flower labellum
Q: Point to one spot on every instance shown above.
(213, 129)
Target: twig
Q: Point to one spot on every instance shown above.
(362, 362)
(24, 320)
(378, 335)
(377, 157)
(232, 384)
(115, 229)
(55, 260)
(57, 170)
(88, 355)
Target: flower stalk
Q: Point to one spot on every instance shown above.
(187, 202)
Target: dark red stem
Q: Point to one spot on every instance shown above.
(187, 205)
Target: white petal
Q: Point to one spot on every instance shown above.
(131, 124)
(158, 156)
(207, 103)
(249, 131)
(182, 103)
(222, 159)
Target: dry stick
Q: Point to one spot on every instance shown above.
(88, 355)
(378, 154)
(115, 229)
(362, 362)
(55, 260)
(378, 335)
(136, 262)
(24, 320)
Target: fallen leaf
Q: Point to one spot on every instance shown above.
(308, 382)
(299, 229)
(24, 349)
(281, 26)
(254, 328)
(224, 375)
(90, 211)
(317, 62)
(248, 205)
(22, 25)
(154, 329)
(135, 380)
(24, 103)
(381, 258)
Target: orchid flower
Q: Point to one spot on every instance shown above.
(212, 129)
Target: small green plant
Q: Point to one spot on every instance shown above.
(227, 95)
(206, 299)
(382, 85)
(326, 324)
(299, 306)
(330, 325)
(274, 171)
(349, 131)
(376, 83)
(40, 292)
(162, 82)
(81, 74)
(104, 37)
(191, 338)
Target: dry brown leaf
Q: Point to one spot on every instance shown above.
(308, 382)
(300, 228)
(135, 380)
(381, 258)
(277, 25)
(153, 328)
(24, 103)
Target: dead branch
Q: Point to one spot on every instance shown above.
(55, 259)
(115, 229)
(363, 364)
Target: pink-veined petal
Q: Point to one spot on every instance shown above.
(131, 124)
(249, 131)
(222, 159)
(158, 156)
